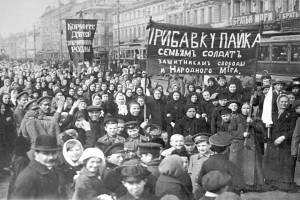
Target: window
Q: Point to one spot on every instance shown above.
(202, 16)
(261, 7)
(264, 53)
(188, 17)
(248, 6)
(170, 19)
(238, 8)
(181, 18)
(295, 54)
(220, 13)
(279, 53)
(229, 10)
(195, 21)
(209, 14)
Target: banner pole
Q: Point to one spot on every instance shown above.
(146, 77)
(256, 53)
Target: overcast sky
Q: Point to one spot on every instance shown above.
(20, 15)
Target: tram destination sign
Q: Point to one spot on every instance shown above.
(80, 35)
(190, 50)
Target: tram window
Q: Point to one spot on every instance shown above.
(279, 53)
(295, 53)
(264, 53)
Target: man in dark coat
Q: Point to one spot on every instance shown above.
(40, 179)
(220, 143)
(114, 158)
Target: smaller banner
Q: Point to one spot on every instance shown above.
(80, 35)
(179, 49)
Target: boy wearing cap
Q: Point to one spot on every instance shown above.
(189, 145)
(111, 136)
(197, 160)
(134, 179)
(132, 129)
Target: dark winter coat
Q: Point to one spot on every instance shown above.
(145, 196)
(215, 119)
(173, 179)
(88, 186)
(246, 153)
(38, 182)
(190, 126)
(175, 109)
(220, 162)
(157, 109)
(278, 161)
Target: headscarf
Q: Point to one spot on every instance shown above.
(280, 110)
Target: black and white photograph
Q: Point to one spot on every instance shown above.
(150, 99)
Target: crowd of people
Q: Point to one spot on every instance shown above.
(121, 135)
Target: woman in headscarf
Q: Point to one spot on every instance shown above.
(278, 162)
(189, 124)
(245, 151)
(72, 150)
(173, 179)
(174, 111)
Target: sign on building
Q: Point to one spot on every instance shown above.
(80, 35)
(255, 18)
(184, 50)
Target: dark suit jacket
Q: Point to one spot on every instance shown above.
(38, 182)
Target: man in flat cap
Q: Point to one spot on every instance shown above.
(41, 122)
(114, 158)
(22, 99)
(40, 179)
(134, 178)
(220, 143)
(215, 183)
(197, 160)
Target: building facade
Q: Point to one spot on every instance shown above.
(279, 51)
(134, 18)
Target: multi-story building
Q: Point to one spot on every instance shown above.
(129, 29)
(279, 51)
(22, 45)
(133, 20)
